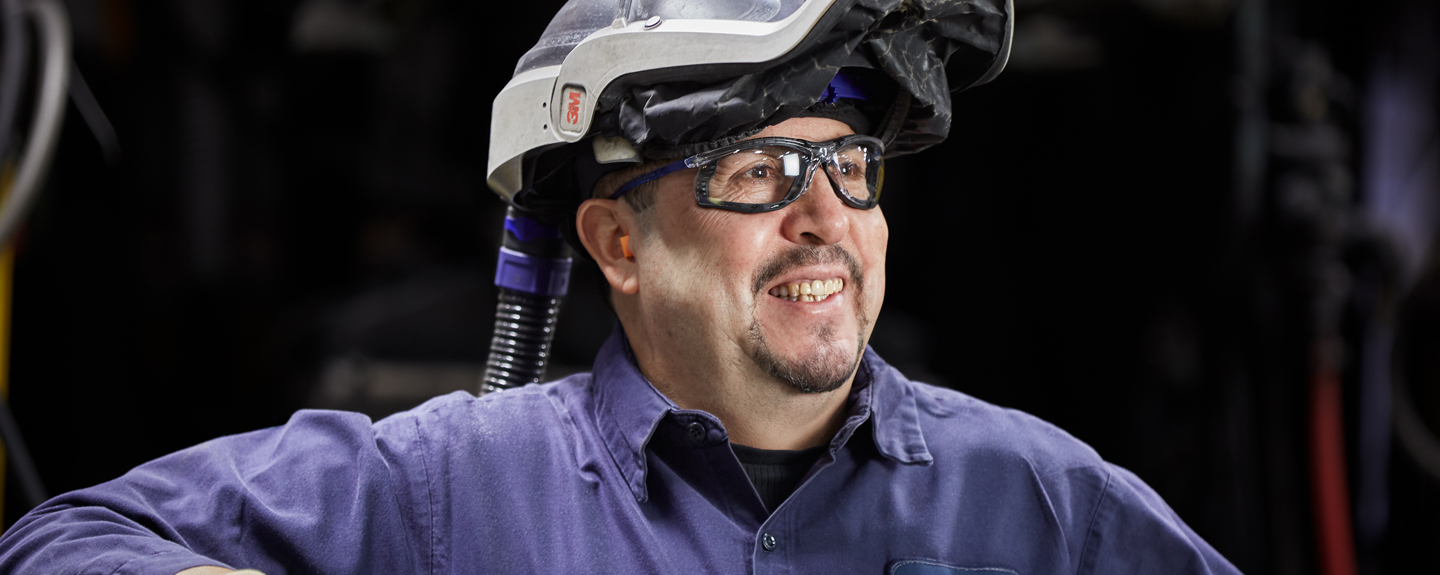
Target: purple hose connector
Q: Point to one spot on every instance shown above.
(548, 277)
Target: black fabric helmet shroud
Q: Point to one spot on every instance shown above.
(927, 49)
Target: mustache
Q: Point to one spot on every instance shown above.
(800, 256)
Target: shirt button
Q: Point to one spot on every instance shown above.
(696, 431)
(768, 542)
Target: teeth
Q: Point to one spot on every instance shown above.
(810, 291)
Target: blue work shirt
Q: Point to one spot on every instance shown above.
(602, 474)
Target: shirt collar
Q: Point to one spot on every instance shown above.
(889, 399)
(627, 410)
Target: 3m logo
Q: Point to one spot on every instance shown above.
(572, 97)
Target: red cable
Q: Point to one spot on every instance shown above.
(1333, 536)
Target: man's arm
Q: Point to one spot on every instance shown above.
(277, 500)
(1134, 531)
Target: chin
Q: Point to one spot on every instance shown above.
(824, 366)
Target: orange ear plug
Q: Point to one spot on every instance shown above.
(625, 247)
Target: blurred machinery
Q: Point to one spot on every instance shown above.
(1340, 262)
(19, 191)
(25, 161)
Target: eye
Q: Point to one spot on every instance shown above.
(760, 172)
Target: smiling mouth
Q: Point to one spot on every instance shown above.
(808, 290)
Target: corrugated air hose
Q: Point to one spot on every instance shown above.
(533, 274)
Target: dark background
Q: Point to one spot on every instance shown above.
(1154, 230)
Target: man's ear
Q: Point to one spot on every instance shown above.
(603, 225)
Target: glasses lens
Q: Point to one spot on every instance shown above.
(755, 175)
(857, 170)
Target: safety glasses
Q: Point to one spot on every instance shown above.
(766, 174)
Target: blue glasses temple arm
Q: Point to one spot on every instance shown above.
(661, 172)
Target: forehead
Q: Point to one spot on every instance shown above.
(812, 129)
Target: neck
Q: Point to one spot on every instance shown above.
(761, 414)
(757, 409)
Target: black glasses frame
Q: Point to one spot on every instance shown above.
(808, 151)
(812, 156)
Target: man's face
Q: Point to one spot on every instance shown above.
(711, 277)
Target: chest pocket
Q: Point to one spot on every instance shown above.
(927, 567)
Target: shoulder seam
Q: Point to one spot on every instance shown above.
(1094, 516)
(429, 490)
(1067, 469)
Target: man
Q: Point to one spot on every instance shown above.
(735, 421)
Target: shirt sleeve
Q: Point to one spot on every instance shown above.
(1133, 531)
(325, 493)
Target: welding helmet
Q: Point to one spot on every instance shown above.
(613, 82)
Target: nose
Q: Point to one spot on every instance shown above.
(818, 217)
